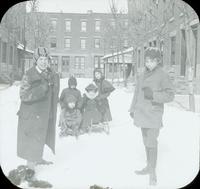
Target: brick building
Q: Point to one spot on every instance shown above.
(77, 42)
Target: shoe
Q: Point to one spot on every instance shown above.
(144, 171)
(152, 178)
(44, 162)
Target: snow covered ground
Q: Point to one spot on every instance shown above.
(109, 160)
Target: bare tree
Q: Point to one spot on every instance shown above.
(38, 26)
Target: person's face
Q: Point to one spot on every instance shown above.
(72, 86)
(71, 105)
(42, 63)
(97, 75)
(151, 63)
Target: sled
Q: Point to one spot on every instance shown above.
(99, 127)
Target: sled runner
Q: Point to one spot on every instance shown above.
(99, 127)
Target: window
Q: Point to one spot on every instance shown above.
(65, 63)
(67, 25)
(4, 52)
(97, 43)
(97, 25)
(154, 43)
(53, 25)
(98, 62)
(110, 67)
(139, 58)
(150, 44)
(83, 43)
(125, 23)
(112, 23)
(173, 46)
(54, 63)
(79, 62)
(125, 42)
(67, 43)
(11, 55)
(53, 42)
(83, 26)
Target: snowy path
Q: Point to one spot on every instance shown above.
(109, 160)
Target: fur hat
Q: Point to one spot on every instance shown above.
(40, 51)
(72, 81)
(153, 52)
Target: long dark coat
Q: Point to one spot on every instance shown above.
(148, 113)
(105, 88)
(90, 111)
(37, 114)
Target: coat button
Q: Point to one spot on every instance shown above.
(37, 116)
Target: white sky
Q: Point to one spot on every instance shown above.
(80, 6)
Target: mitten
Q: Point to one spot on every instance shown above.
(148, 93)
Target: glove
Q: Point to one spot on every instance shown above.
(148, 93)
(132, 114)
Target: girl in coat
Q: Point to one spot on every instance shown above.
(105, 88)
(153, 89)
(70, 118)
(37, 114)
(90, 108)
(71, 90)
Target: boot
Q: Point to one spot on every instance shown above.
(153, 162)
(145, 170)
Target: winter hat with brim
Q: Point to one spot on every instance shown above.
(153, 52)
(40, 51)
(91, 87)
(72, 81)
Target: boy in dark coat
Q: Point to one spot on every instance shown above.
(153, 89)
(105, 88)
(71, 90)
(90, 108)
(70, 118)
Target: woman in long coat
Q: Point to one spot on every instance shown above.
(37, 114)
(105, 88)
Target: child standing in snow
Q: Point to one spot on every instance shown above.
(105, 88)
(153, 89)
(71, 90)
(90, 109)
(70, 118)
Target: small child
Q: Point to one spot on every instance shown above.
(71, 90)
(153, 89)
(90, 108)
(70, 118)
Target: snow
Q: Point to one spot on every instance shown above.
(108, 160)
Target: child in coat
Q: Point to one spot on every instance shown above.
(90, 108)
(70, 118)
(153, 89)
(71, 90)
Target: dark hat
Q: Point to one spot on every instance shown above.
(152, 52)
(40, 51)
(72, 81)
(91, 87)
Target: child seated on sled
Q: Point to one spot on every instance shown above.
(70, 118)
(90, 108)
